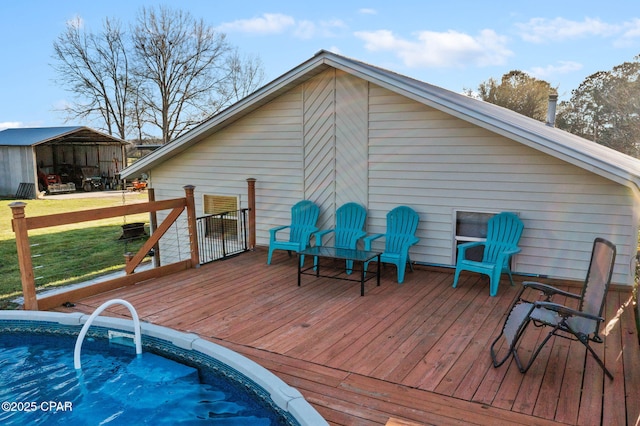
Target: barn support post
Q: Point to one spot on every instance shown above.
(192, 224)
(251, 195)
(19, 224)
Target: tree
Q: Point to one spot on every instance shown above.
(519, 92)
(244, 74)
(95, 67)
(605, 108)
(177, 58)
(169, 72)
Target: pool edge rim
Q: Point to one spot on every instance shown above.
(283, 395)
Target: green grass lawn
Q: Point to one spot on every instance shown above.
(66, 254)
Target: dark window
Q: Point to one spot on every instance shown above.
(471, 226)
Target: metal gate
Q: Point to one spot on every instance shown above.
(222, 235)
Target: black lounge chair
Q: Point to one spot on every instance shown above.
(581, 324)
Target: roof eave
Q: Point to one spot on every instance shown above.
(534, 140)
(234, 112)
(442, 99)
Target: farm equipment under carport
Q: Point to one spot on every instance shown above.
(52, 184)
(137, 185)
(91, 183)
(86, 178)
(91, 179)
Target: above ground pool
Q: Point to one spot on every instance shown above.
(178, 378)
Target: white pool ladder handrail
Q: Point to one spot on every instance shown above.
(85, 328)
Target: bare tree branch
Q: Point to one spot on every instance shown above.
(179, 58)
(95, 69)
(171, 72)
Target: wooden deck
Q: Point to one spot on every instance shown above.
(416, 352)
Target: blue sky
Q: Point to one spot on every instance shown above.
(452, 44)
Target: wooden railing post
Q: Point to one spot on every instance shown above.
(153, 225)
(128, 256)
(191, 222)
(21, 230)
(251, 195)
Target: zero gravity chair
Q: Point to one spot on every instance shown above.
(579, 324)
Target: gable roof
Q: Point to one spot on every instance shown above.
(573, 149)
(31, 136)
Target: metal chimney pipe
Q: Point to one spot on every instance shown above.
(551, 110)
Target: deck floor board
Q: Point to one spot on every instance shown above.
(416, 352)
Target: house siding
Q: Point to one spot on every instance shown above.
(335, 142)
(337, 138)
(352, 148)
(267, 146)
(436, 164)
(320, 143)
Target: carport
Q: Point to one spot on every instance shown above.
(28, 156)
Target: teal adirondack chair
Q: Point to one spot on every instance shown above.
(350, 221)
(402, 223)
(304, 216)
(503, 234)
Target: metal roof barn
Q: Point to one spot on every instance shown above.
(29, 153)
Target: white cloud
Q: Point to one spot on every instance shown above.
(563, 67)
(335, 49)
(305, 30)
(367, 11)
(444, 49)
(11, 125)
(541, 30)
(276, 23)
(61, 105)
(379, 40)
(630, 34)
(325, 29)
(268, 23)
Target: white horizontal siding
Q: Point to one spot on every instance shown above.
(437, 165)
(267, 146)
(345, 140)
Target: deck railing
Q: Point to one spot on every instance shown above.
(219, 227)
(22, 225)
(222, 235)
